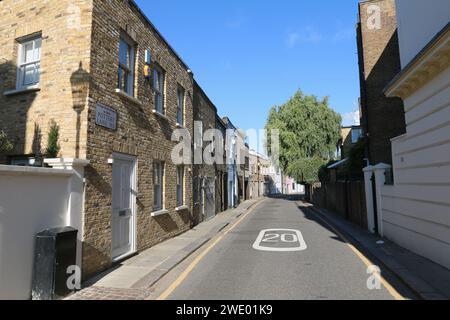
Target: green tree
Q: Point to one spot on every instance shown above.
(6, 145)
(53, 147)
(356, 156)
(306, 170)
(309, 132)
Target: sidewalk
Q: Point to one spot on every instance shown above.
(427, 279)
(132, 279)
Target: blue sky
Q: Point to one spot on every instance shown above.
(250, 55)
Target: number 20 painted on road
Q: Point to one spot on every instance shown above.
(282, 236)
(273, 237)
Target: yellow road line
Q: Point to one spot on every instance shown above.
(199, 258)
(367, 262)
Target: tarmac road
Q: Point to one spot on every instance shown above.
(308, 260)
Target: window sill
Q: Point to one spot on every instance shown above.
(21, 91)
(159, 213)
(182, 208)
(159, 114)
(127, 96)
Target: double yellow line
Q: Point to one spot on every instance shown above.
(166, 294)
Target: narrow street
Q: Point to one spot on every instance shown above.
(225, 151)
(278, 265)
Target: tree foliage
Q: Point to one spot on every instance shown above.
(53, 147)
(6, 145)
(356, 156)
(309, 132)
(306, 170)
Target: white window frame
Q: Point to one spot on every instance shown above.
(128, 70)
(181, 97)
(158, 199)
(21, 64)
(159, 87)
(180, 185)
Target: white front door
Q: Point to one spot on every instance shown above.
(123, 205)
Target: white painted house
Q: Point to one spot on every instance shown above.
(415, 211)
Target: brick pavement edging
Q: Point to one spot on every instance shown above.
(106, 294)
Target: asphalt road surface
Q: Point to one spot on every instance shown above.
(278, 251)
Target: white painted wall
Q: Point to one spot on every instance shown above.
(277, 178)
(416, 210)
(31, 200)
(418, 22)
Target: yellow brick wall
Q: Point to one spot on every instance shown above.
(140, 133)
(382, 117)
(88, 31)
(66, 28)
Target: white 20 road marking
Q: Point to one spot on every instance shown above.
(275, 236)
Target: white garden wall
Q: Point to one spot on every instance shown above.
(32, 200)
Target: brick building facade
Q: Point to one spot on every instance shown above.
(257, 178)
(349, 137)
(52, 32)
(382, 118)
(221, 171)
(243, 167)
(117, 90)
(205, 173)
(232, 162)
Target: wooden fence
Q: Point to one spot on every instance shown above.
(346, 198)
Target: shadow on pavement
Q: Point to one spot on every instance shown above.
(308, 213)
(388, 275)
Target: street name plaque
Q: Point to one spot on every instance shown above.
(105, 116)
